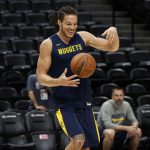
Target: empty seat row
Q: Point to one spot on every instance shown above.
(37, 27)
(24, 46)
(19, 62)
(29, 32)
(121, 59)
(118, 74)
(35, 5)
(34, 130)
(133, 89)
(20, 59)
(15, 19)
(116, 59)
(22, 105)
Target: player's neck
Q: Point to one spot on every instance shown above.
(64, 38)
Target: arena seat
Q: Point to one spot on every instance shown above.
(24, 46)
(41, 127)
(14, 131)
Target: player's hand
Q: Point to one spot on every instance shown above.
(68, 81)
(41, 108)
(110, 34)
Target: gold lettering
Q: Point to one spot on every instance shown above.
(69, 49)
(60, 51)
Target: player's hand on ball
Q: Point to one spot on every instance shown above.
(68, 81)
(110, 34)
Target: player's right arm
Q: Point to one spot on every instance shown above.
(44, 64)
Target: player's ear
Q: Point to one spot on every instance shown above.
(58, 22)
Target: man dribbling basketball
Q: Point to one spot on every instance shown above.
(71, 97)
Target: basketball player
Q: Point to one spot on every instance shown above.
(71, 96)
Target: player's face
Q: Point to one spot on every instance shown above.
(69, 25)
(118, 96)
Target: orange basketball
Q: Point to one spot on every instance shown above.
(83, 64)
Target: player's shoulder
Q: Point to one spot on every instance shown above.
(46, 43)
(83, 33)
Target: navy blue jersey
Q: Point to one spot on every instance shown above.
(62, 54)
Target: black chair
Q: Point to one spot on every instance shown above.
(97, 30)
(2, 145)
(139, 57)
(5, 47)
(143, 100)
(19, 6)
(135, 89)
(60, 3)
(145, 82)
(14, 131)
(33, 59)
(11, 60)
(41, 127)
(98, 78)
(36, 19)
(8, 33)
(24, 46)
(139, 73)
(23, 105)
(143, 116)
(8, 92)
(106, 89)
(125, 42)
(115, 57)
(118, 76)
(3, 6)
(5, 105)
(17, 62)
(13, 79)
(30, 32)
(48, 31)
(85, 19)
(97, 56)
(99, 100)
(24, 93)
(118, 60)
(116, 73)
(100, 75)
(41, 6)
(81, 28)
(13, 19)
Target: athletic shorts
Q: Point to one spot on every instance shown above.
(76, 121)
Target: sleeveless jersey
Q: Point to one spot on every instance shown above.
(62, 53)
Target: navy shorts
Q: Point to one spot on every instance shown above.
(120, 136)
(76, 121)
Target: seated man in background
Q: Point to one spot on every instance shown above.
(117, 120)
(38, 95)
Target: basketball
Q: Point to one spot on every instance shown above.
(83, 64)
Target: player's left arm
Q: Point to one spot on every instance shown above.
(109, 43)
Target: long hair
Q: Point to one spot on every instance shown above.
(60, 14)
